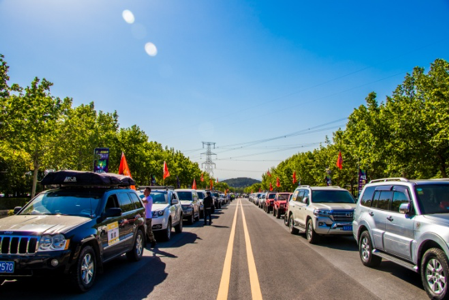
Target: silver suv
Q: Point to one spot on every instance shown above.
(406, 222)
(318, 210)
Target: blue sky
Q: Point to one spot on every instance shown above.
(226, 71)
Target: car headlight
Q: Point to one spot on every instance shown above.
(158, 213)
(53, 243)
(321, 212)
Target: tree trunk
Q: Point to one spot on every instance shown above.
(36, 170)
(442, 166)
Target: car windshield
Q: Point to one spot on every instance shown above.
(65, 202)
(215, 195)
(433, 198)
(283, 196)
(201, 195)
(332, 197)
(159, 197)
(271, 196)
(185, 196)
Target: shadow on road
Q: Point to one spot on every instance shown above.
(346, 243)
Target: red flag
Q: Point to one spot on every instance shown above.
(166, 172)
(271, 187)
(294, 177)
(339, 161)
(260, 190)
(194, 184)
(278, 184)
(268, 173)
(123, 169)
(211, 183)
(202, 177)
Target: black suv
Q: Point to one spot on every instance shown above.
(85, 220)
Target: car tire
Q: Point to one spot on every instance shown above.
(285, 219)
(311, 235)
(197, 217)
(178, 228)
(166, 234)
(136, 253)
(278, 214)
(435, 273)
(365, 251)
(85, 270)
(191, 219)
(274, 212)
(292, 229)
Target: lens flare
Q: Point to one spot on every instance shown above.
(150, 49)
(128, 16)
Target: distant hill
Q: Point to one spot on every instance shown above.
(240, 182)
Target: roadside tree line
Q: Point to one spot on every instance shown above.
(405, 136)
(41, 132)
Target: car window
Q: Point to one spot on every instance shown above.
(433, 198)
(300, 196)
(367, 197)
(135, 200)
(185, 196)
(112, 202)
(159, 197)
(295, 195)
(201, 195)
(382, 199)
(329, 196)
(399, 197)
(125, 202)
(271, 196)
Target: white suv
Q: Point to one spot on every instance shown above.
(318, 210)
(167, 210)
(190, 204)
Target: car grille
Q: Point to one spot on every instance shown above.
(342, 215)
(21, 245)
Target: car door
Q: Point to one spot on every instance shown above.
(399, 231)
(297, 208)
(127, 222)
(196, 207)
(109, 230)
(379, 212)
(175, 209)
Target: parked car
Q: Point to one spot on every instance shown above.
(167, 210)
(189, 203)
(73, 229)
(201, 196)
(407, 223)
(280, 203)
(217, 201)
(269, 200)
(286, 210)
(318, 210)
(261, 199)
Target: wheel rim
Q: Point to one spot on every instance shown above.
(365, 249)
(436, 279)
(87, 269)
(139, 245)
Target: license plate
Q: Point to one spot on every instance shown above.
(347, 228)
(6, 267)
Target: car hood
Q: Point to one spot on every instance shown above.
(335, 206)
(41, 224)
(442, 219)
(186, 202)
(157, 207)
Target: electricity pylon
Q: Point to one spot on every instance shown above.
(209, 164)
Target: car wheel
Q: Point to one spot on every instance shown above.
(191, 219)
(311, 235)
(178, 228)
(166, 234)
(136, 253)
(85, 270)
(435, 273)
(278, 214)
(365, 251)
(285, 219)
(274, 212)
(293, 230)
(197, 216)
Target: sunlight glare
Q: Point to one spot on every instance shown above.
(151, 49)
(128, 16)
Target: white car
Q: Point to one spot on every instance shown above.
(190, 204)
(167, 210)
(201, 196)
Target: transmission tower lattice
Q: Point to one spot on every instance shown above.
(209, 164)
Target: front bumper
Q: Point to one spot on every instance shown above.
(28, 265)
(326, 226)
(159, 222)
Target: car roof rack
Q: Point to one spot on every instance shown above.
(72, 178)
(389, 179)
(156, 187)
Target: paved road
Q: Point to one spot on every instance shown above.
(261, 260)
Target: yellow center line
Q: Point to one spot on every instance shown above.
(226, 275)
(253, 277)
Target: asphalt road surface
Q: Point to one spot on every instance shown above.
(245, 254)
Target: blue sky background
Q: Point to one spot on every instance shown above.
(226, 71)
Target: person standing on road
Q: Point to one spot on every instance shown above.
(207, 202)
(148, 201)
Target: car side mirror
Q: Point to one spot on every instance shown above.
(306, 200)
(174, 201)
(404, 208)
(17, 209)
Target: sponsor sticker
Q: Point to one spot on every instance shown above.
(113, 235)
